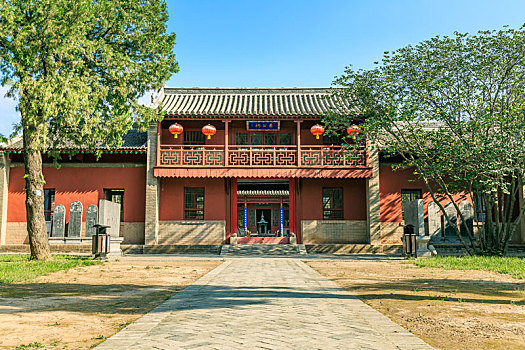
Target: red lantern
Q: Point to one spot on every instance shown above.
(353, 130)
(209, 130)
(317, 130)
(176, 129)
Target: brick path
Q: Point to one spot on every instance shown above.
(263, 304)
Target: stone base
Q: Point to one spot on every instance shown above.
(114, 246)
(69, 240)
(183, 249)
(422, 247)
(396, 250)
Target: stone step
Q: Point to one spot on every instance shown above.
(264, 249)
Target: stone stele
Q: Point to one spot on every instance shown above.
(452, 215)
(434, 220)
(75, 219)
(59, 221)
(415, 216)
(91, 219)
(465, 207)
(109, 215)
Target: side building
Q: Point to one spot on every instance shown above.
(223, 162)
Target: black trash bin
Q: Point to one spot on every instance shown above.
(100, 242)
(409, 242)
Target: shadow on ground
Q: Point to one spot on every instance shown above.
(135, 299)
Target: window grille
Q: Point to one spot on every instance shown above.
(333, 203)
(194, 138)
(194, 203)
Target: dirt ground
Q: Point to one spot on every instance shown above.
(448, 309)
(79, 308)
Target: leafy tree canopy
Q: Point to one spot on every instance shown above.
(78, 67)
(454, 109)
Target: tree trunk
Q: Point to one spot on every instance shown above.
(36, 224)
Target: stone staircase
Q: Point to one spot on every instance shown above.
(262, 249)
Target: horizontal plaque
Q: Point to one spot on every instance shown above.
(263, 125)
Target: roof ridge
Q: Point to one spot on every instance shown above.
(257, 90)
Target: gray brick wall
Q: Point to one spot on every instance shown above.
(192, 232)
(334, 231)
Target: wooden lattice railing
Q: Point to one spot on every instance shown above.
(261, 156)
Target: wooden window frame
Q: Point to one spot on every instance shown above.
(201, 141)
(108, 195)
(332, 210)
(195, 209)
(263, 133)
(411, 191)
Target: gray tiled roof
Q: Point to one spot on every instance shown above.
(245, 101)
(133, 139)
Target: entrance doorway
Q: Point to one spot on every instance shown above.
(263, 211)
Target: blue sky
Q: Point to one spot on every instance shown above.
(304, 43)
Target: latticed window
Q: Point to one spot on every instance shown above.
(194, 138)
(49, 201)
(333, 203)
(116, 196)
(332, 139)
(285, 139)
(276, 217)
(408, 196)
(49, 204)
(194, 203)
(258, 139)
(241, 139)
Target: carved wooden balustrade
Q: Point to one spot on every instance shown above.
(261, 156)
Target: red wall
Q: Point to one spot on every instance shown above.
(390, 185)
(354, 198)
(85, 185)
(172, 198)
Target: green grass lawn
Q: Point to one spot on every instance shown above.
(507, 265)
(19, 268)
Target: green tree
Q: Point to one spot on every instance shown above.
(453, 109)
(77, 69)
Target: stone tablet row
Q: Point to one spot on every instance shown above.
(414, 215)
(110, 216)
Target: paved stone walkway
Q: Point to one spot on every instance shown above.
(263, 304)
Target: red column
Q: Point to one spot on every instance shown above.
(158, 143)
(233, 205)
(291, 211)
(298, 141)
(226, 142)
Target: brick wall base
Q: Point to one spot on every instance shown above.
(187, 232)
(334, 231)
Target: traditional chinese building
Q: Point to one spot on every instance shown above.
(248, 162)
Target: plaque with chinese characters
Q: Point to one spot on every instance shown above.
(263, 125)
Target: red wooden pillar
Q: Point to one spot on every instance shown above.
(298, 141)
(158, 143)
(233, 206)
(291, 211)
(226, 143)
